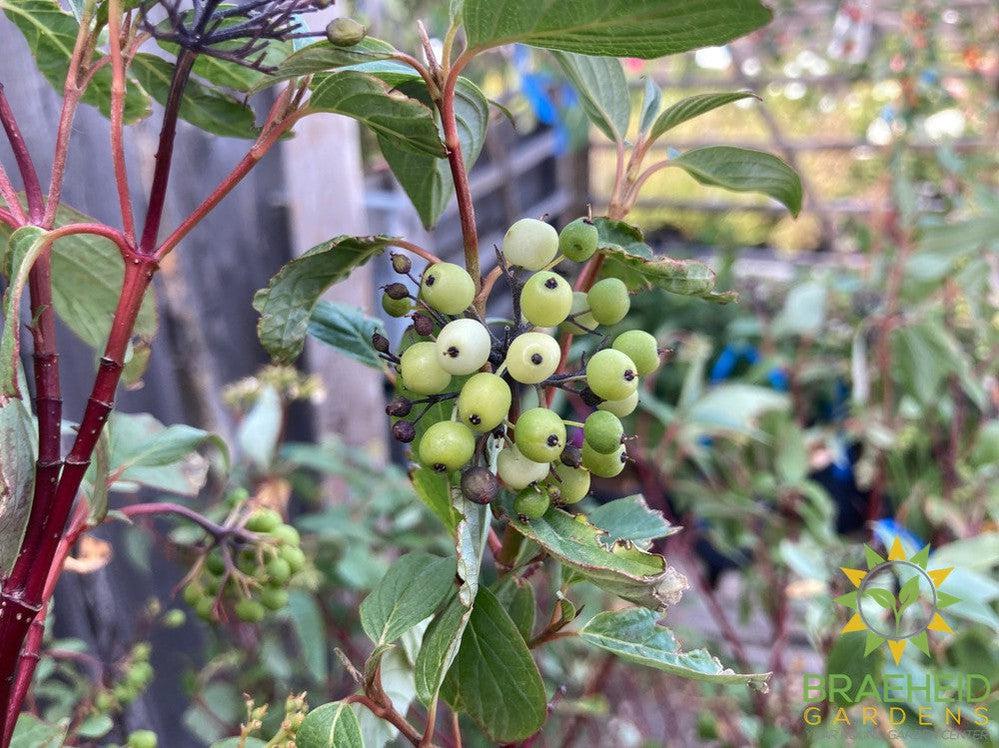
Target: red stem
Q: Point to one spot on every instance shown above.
(117, 120)
(32, 188)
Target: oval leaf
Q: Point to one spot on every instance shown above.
(603, 89)
(286, 304)
(332, 725)
(630, 519)
(346, 329)
(613, 28)
(743, 170)
(323, 57)
(411, 591)
(634, 635)
(694, 106)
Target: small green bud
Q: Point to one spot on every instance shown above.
(345, 32)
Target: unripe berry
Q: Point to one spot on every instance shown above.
(273, 598)
(530, 243)
(295, 558)
(379, 342)
(174, 619)
(249, 610)
(447, 288)
(611, 374)
(278, 570)
(403, 431)
(516, 471)
(603, 431)
(621, 408)
(192, 593)
(578, 240)
(640, 347)
(446, 446)
(484, 401)
(263, 520)
(214, 563)
(479, 485)
(345, 32)
(398, 407)
(573, 483)
(606, 466)
(396, 291)
(546, 299)
(420, 370)
(423, 325)
(609, 301)
(463, 346)
(286, 535)
(401, 264)
(531, 503)
(396, 307)
(204, 608)
(533, 357)
(540, 435)
(142, 739)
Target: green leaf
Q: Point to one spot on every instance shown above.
(51, 34)
(632, 260)
(804, 310)
(694, 106)
(98, 476)
(145, 452)
(332, 725)
(87, 273)
(497, 682)
(634, 635)
(643, 578)
(427, 181)
(743, 170)
(884, 598)
(434, 490)
(17, 477)
(204, 107)
(310, 630)
(652, 100)
(260, 429)
(31, 732)
(286, 304)
(348, 330)
(26, 245)
(323, 57)
(603, 90)
(908, 594)
(405, 123)
(413, 589)
(613, 28)
(517, 596)
(630, 519)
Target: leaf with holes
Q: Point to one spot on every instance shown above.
(616, 28)
(346, 329)
(743, 170)
(629, 258)
(603, 90)
(634, 635)
(286, 304)
(694, 106)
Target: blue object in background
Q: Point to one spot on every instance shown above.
(536, 87)
(887, 529)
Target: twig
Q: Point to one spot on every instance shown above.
(118, 118)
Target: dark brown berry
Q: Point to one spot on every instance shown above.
(401, 264)
(572, 457)
(396, 291)
(380, 342)
(478, 485)
(403, 431)
(398, 407)
(423, 325)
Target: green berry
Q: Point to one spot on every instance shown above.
(580, 310)
(530, 243)
(192, 594)
(248, 562)
(273, 598)
(484, 401)
(396, 307)
(531, 503)
(540, 435)
(140, 674)
(611, 375)
(286, 535)
(446, 446)
(420, 370)
(463, 346)
(621, 408)
(533, 357)
(546, 299)
(214, 563)
(604, 465)
(294, 556)
(278, 570)
(603, 431)
(572, 484)
(263, 520)
(447, 288)
(142, 739)
(205, 608)
(345, 32)
(516, 471)
(249, 610)
(640, 347)
(578, 240)
(174, 619)
(609, 301)
(211, 584)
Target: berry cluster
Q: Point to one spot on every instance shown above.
(136, 675)
(250, 571)
(490, 367)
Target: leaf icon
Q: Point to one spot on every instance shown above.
(882, 597)
(908, 594)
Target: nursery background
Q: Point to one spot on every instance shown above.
(842, 411)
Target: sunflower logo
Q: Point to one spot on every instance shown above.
(897, 600)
